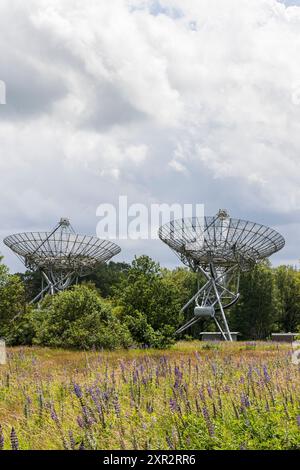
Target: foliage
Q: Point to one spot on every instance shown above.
(255, 314)
(151, 300)
(287, 281)
(12, 300)
(78, 318)
(106, 276)
(188, 397)
(146, 300)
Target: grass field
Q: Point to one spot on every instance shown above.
(193, 396)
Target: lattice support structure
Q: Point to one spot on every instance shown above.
(220, 248)
(219, 292)
(61, 255)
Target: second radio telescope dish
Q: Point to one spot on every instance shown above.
(220, 248)
(221, 239)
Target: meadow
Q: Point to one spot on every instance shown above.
(191, 396)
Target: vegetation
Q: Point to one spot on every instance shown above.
(139, 305)
(190, 396)
(12, 298)
(193, 396)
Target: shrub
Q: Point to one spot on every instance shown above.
(78, 318)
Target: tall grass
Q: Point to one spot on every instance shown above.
(193, 396)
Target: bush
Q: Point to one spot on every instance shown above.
(144, 335)
(22, 330)
(78, 318)
(12, 298)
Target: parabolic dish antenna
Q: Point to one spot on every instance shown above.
(60, 255)
(220, 248)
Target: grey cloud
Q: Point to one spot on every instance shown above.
(87, 85)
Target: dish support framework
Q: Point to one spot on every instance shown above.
(220, 291)
(55, 281)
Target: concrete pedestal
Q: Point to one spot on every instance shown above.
(217, 336)
(2, 352)
(284, 337)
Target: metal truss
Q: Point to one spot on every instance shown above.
(220, 248)
(61, 255)
(218, 293)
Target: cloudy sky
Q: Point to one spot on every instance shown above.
(164, 101)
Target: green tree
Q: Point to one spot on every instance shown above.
(12, 298)
(153, 296)
(287, 280)
(256, 312)
(79, 318)
(32, 281)
(106, 276)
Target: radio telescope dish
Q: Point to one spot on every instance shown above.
(220, 248)
(60, 255)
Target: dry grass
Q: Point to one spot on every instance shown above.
(195, 395)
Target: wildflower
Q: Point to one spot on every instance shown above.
(173, 405)
(53, 414)
(81, 447)
(177, 373)
(201, 394)
(266, 374)
(245, 401)
(209, 424)
(209, 391)
(14, 440)
(78, 391)
(135, 376)
(98, 406)
(80, 421)
(149, 407)
(88, 420)
(298, 420)
(72, 440)
(117, 406)
(1, 438)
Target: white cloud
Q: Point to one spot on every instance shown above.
(127, 97)
(177, 166)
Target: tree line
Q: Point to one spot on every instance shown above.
(139, 304)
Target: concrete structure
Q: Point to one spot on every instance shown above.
(2, 352)
(217, 336)
(284, 337)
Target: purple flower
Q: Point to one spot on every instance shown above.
(1, 438)
(201, 394)
(209, 424)
(173, 405)
(80, 421)
(209, 391)
(135, 376)
(149, 407)
(14, 440)
(169, 442)
(87, 417)
(177, 373)
(53, 414)
(78, 391)
(214, 368)
(117, 406)
(245, 401)
(81, 447)
(72, 440)
(298, 420)
(266, 374)
(205, 413)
